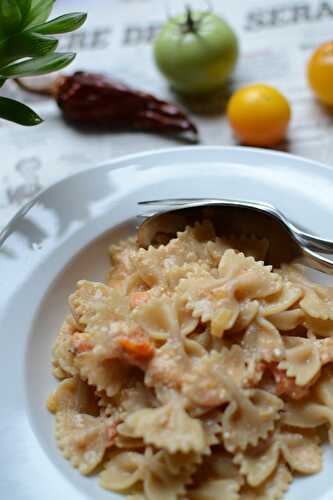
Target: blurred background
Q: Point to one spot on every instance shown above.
(276, 40)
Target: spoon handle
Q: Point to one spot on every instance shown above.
(316, 261)
(313, 242)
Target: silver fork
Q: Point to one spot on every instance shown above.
(239, 217)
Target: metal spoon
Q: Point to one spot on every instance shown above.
(231, 217)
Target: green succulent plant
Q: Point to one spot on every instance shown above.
(27, 48)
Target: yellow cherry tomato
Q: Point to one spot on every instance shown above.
(259, 115)
(320, 73)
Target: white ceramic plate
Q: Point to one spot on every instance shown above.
(62, 236)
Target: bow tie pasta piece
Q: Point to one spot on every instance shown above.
(295, 274)
(218, 300)
(168, 427)
(120, 252)
(208, 301)
(180, 463)
(218, 489)
(216, 468)
(225, 317)
(118, 414)
(324, 387)
(129, 285)
(206, 340)
(213, 430)
(161, 488)
(62, 352)
(195, 240)
(249, 417)
(110, 332)
(318, 300)
(127, 443)
(129, 346)
(108, 406)
(200, 232)
(319, 327)
(135, 395)
(233, 363)
(258, 463)
(82, 439)
(160, 482)
(325, 350)
(205, 384)
(121, 255)
(190, 246)
(262, 341)
(222, 466)
(187, 323)
(123, 276)
(123, 470)
(215, 250)
(193, 349)
(282, 300)
(248, 310)
(306, 414)
(287, 320)
(168, 366)
(96, 306)
(150, 471)
(149, 266)
(273, 489)
(318, 303)
(158, 318)
(209, 391)
(249, 278)
(302, 360)
(107, 375)
(175, 274)
(73, 394)
(301, 453)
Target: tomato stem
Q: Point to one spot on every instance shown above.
(190, 24)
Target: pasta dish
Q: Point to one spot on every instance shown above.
(195, 372)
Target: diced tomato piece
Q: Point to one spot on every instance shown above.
(81, 344)
(287, 385)
(138, 298)
(111, 434)
(139, 348)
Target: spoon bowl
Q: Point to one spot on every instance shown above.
(234, 218)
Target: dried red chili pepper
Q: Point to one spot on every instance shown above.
(94, 99)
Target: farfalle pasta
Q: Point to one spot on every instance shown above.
(195, 372)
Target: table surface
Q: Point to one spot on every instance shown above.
(276, 41)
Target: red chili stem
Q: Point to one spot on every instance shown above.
(50, 90)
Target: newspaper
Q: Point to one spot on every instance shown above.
(276, 40)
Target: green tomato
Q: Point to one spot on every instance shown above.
(196, 52)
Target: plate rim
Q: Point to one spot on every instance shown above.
(115, 163)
